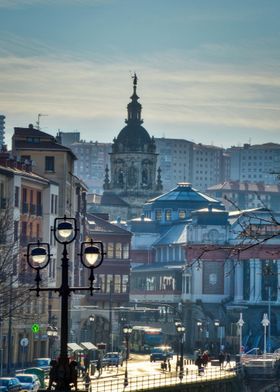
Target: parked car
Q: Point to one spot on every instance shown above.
(161, 353)
(43, 363)
(29, 382)
(11, 384)
(112, 359)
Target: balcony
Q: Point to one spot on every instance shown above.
(32, 209)
(24, 208)
(39, 208)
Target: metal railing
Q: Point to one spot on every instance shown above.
(116, 384)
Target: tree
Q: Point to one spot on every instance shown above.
(13, 294)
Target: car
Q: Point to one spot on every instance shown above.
(43, 363)
(161, 353)
(11, 384)
(29, 382)
(112, 359)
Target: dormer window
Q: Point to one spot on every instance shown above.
(182, 214)
(168, 215)
(30, 139)
(158, 215)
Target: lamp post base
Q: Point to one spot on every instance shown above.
(62, 375)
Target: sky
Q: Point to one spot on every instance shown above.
(208, 70)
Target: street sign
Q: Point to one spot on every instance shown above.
(24, 342)
(35, 328)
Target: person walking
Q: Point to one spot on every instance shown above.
(198, 363)
(169, 365)
(87, 381)
(205, 358)
(86, 364)
(227, 360)
(99, 367)
(221, 359)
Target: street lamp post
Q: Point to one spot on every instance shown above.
(91, 321)
(265, 322)
(127, 332)
(177, 323)
(199, 328)
(240, 324)
(38, 257)
(217, 325)
(181, 331)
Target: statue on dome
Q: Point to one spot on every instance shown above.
(134, 79)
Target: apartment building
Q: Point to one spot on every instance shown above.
(184, 161)
(55, 162)
(255, 163)
(27, 211)
(245, 195)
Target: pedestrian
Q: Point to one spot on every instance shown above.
(198, 363)
(86, 363)
(228, 359)
(221, 359)
(99, 367)
(169, 365)
(205, 358)
(87, 381)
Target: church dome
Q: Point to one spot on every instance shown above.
(134, 137)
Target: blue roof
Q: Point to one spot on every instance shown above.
(175, 235)
(185, 192)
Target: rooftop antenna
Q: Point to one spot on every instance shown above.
(38, 120)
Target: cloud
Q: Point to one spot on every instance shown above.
(174, 89)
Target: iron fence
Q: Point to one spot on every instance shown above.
(143, 383)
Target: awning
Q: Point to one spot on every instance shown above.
(88, 346)
(74, 347)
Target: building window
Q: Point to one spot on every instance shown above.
(167, 215)
(17, 196)
(24, 229)
(117, 284)
(110, 250)
(151, 283)
(124, 283)
(118, 251)
(158, 215)
(188, 285)
(49, 164)
(55, 204)
(52, 204)
(101, 282)
(16, 225)
(182, 214)
(126, 251)
(109, 283)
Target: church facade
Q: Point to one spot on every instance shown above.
(133, 178)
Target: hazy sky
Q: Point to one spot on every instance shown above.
(209, 70)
